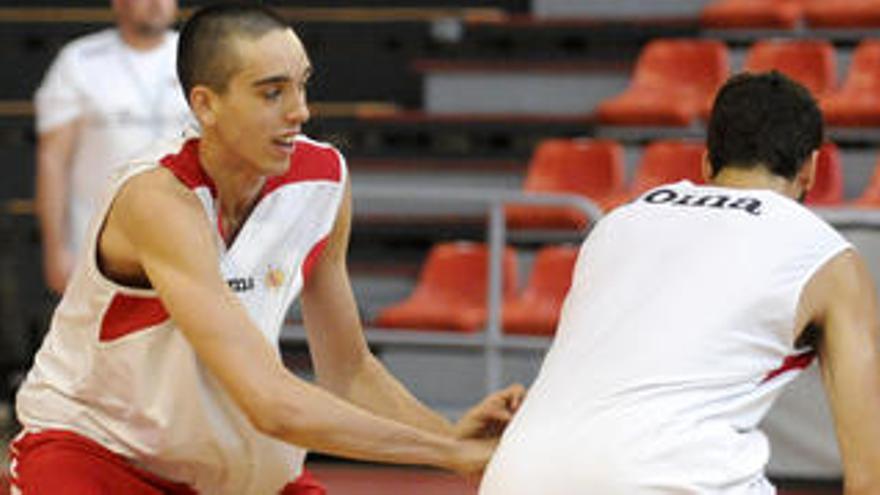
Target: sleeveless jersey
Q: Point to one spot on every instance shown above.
(677, 334)
(114, 368)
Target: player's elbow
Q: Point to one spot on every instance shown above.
(269, 415)
(279, 415)
(266, 422)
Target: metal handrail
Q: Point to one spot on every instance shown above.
(491, 340)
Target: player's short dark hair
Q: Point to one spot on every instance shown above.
(763, 120)
(205, 52)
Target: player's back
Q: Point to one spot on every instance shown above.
(677, 334)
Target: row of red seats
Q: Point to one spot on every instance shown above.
(788, 14)
(594, 168)
(675, 81)
(451, 291)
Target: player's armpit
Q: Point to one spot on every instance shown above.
(845, 304)
(159, 225)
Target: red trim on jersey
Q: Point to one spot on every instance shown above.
(129, 314)
(793, 362)
(185, 165)
(306, 484)
(312, 257)
(308, 162)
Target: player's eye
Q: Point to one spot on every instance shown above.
(272, 94)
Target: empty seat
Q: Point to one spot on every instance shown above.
(828, 187)
(857, 103)
(591, 168)
(764, 14)
(663, 162)
(812, 63)
(674, 83)
(536, 309)
(843, 13)
(669, 161)
(451, 291)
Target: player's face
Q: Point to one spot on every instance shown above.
(264, 105)
(146, 17)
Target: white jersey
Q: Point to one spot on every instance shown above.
(677, 334)
(114, 368)
(124, 99)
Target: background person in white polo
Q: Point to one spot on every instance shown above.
(108, 97)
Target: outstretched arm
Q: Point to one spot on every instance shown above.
(844, 299)
(345, 365)
(158, 225)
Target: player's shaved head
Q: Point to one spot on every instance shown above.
(206, 52)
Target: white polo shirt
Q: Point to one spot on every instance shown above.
(125, 99)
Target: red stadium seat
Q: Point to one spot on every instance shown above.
(536, 310)
(858, 101)
(843, 13)
(591, 168)
(828, 188)
(669, 161)
(451, 292)
(764, 14)
(812, 63)
(664, 162)
(674, 84)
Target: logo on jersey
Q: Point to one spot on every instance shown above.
(274, 277)
(704, 200)
(240, 284)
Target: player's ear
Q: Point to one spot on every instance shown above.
(706, 167)
(807, 175)
(203, 103)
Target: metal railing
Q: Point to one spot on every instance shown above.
(491, 340)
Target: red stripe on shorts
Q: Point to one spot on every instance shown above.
(60, 461)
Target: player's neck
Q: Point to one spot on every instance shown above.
(237, 186)
(753, 178)
(141, 42)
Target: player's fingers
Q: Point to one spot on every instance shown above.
(515, 395)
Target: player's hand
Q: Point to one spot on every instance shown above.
(489, 418)
(472, 455)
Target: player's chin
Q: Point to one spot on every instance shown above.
(278, 160)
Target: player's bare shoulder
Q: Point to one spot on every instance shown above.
(151, 211)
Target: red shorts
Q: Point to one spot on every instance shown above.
(60, 462)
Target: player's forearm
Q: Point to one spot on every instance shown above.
(310, 417)
(376, 390)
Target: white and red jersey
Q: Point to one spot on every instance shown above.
(676, 336)
(114, 368)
